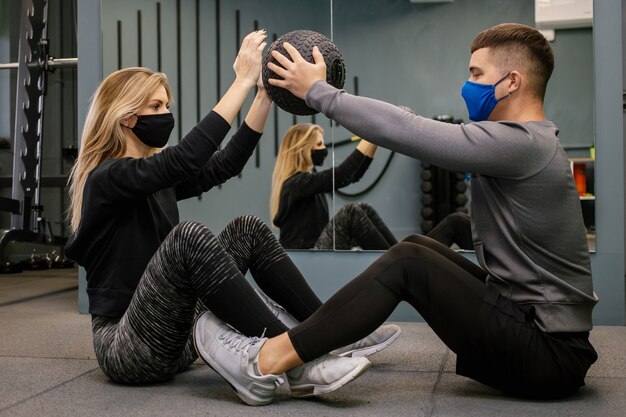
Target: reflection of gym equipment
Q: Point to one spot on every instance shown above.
(34, 63)
(443, 191)
(303, 41)
(376, 180)
(354, 138)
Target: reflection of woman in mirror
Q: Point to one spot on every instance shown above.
(148, 275)
(298, 203)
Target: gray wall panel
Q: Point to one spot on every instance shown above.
(437, 50)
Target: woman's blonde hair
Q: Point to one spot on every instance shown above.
(121, 95)
(293, 156)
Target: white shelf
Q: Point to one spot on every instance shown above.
(582, 159)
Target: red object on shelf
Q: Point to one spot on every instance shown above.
(580, 178)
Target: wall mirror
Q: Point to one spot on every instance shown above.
(416, 53)
(195, 42)
(401, 51)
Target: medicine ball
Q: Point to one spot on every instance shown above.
(303, 41)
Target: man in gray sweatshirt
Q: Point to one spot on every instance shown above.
(520, 321)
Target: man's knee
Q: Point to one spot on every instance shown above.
(421, 240)
(402, 268)
(405, 249)
(458, 219)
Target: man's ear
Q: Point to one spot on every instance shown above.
(516, 80)
(129, 121)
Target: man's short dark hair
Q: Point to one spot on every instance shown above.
(521, 47)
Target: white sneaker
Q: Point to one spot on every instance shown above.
(278, 310)
(378, 340)
(325, 374)
(235, 358)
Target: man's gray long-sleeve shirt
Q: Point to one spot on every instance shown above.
(527, 222)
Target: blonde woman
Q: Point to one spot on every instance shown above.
(149, 276)
(298, 203)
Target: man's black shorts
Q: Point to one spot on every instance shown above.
(508, 351)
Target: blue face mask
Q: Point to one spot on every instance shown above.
(480, 99)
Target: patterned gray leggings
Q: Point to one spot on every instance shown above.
(356, 225)
(193, 271)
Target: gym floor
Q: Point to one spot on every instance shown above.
(48, 368)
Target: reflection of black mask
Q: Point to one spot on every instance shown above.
(154, 129)
(318, 156)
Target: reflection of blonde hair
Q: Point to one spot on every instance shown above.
(121, 95)
(293, 156)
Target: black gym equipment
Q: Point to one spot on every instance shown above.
(303, 41)
(373, 184)
(443, 191)
(34, 63)
(387, 163)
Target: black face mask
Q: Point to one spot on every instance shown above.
(318, 156)
(154, 129)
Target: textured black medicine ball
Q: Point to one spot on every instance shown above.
(303, 41)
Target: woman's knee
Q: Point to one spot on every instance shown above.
(366, 208)
(346, 209)
(186, 239)
(250, 232)
(247, 224)
(350, 216)
(358, 211)
(190, 229)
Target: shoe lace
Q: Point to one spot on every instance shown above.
(274, 308)
(237, 342)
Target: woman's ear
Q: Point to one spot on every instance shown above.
(129, 121)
